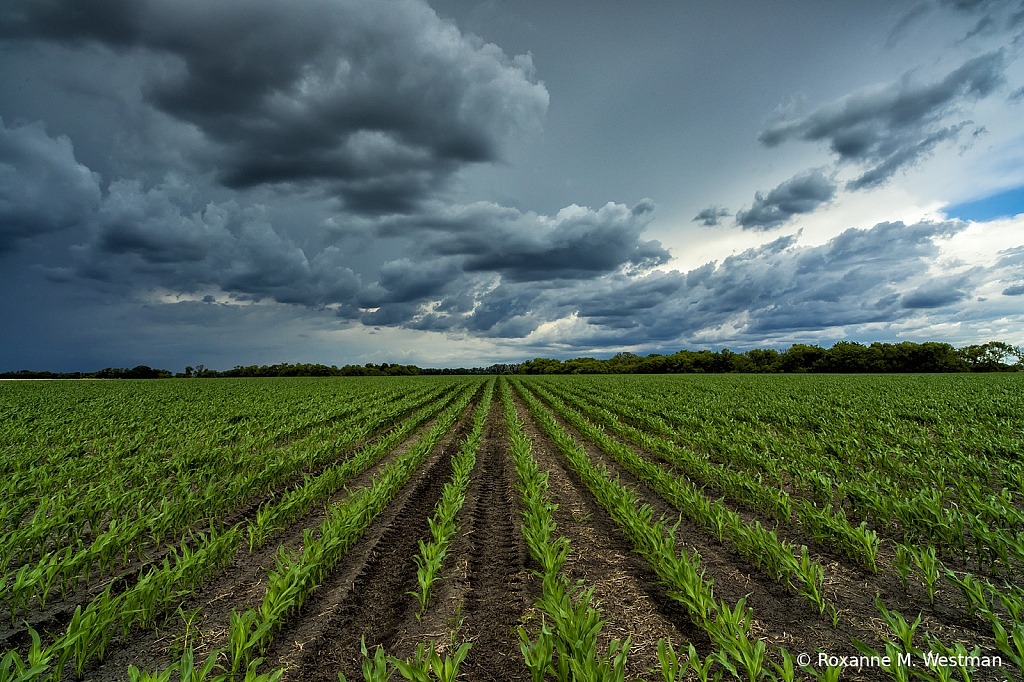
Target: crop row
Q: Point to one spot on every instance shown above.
(90, 629)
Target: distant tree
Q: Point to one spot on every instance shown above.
(991, 357)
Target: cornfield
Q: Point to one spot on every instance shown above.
(691, 527)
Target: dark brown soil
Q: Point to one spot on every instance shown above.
(501, 589)
(786, 619)
(488, 590)
(373, 603)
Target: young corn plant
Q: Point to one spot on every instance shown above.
(703, 668)
(928, 565)
(87, 632)
(736, 651)
(958, 653)
(812, 577)
(13, 667)
(428, 562)
(828, 674)
(973, 590)
(537, 653)
(868, 543)
(673, 667)
(897, 623)
(375, 669)
(1010, 643)
(246, 632)
(891, 655)
(786, 672)
(903, 559)
(424, 662)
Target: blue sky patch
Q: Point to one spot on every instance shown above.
(1004, 204)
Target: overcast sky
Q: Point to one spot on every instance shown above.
(463, 182)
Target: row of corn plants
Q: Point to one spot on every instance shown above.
(162, 586)
(428, 661)
(759, 545)
(936, 494)
(568, 649)
(825, 527)
(444, 523)
(935, 655)
(884, 445)
(738, 652)
(297, 575)
(124, 453)
(151, 482)
(116, 542)
(858, 542)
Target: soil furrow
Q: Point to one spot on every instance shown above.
(787, 619)
(627, 590)
(498, 594)
(240, 586)
(367, 596)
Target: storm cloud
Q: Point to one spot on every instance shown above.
(890, 128)
(376, 103)
(802, 193)
(159, 235)
(42, 188)
(876, 275)
(372, 180)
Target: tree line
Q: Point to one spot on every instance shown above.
(845, 357)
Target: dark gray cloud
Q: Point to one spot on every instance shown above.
(156, 237)
(909, 18)
(42, 188)
(1015, 290)
(993, 16)
(378, 102)
(861, 276)
(165, 237)
(577, 243)
(712, 215)
(877, 275)
(891, 128)
(939, 292)
(481, 267)
(803, 193)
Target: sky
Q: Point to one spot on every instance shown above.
(468, 182)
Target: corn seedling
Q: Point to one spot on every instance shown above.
(375, 669)
(904, 631)
(903, 559)
(973, 590)
(703, 668)
(928, 565)
(958, 653)
(828, 674)
(537, 654)
(1011, 643)
(787, 671)
(673, 667)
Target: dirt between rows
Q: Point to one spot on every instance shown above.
(480, 599)
(784, 618)
(203, 618)
(488, 590)
(58, 614)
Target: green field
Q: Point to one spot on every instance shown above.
(561, 528)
